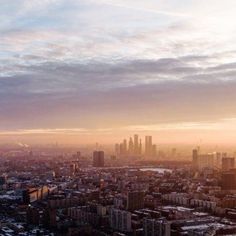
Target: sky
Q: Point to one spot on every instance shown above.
(90, 70)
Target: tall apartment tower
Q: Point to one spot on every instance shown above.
(120, 220)
(156, 227)
(98, 158)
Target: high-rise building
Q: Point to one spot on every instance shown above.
(148, 145)
(136, 145)
(2, 180)
(49, 218)
(156, 227)
(131, 146)
(98, 159)
(228, 163)
(206, 161)
(125, 149)
(32, 215)
(228, 180)
(140, 146)
(202, 161)
(120, 220)
(135, 200)
(218, 160)
(195, 158)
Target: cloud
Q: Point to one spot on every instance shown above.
(142, 8)
(99, 64)
(106, 95)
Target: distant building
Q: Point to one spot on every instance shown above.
(31, 195)
(218, 160)
(32, 216)
(94, 215)
(195, 158)
(98, 159)
(136, 145)
(120, 220)
(228, 180)
(203, 161)
(148, 146)
(228, 163)
(131, 146)
(140, 146)
(3, 180)
(49, 218)
(156, 227)
(125, 148)
(135, 200)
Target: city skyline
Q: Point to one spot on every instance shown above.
(117, 117)
(99, 70)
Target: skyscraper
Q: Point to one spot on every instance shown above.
(205, 161)
(218, 160)
(148, 145)
(121, 148)
(131, 146)
(125, 149)
(98, 159)
(195, 158)
(136, 145)
(140, 146)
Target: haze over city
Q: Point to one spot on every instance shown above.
(98, 70)
(117, 118)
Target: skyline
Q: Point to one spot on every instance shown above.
(103, 69)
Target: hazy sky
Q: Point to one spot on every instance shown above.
(106, 67)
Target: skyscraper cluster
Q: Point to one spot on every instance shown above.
(134, 146)
(212, 160)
